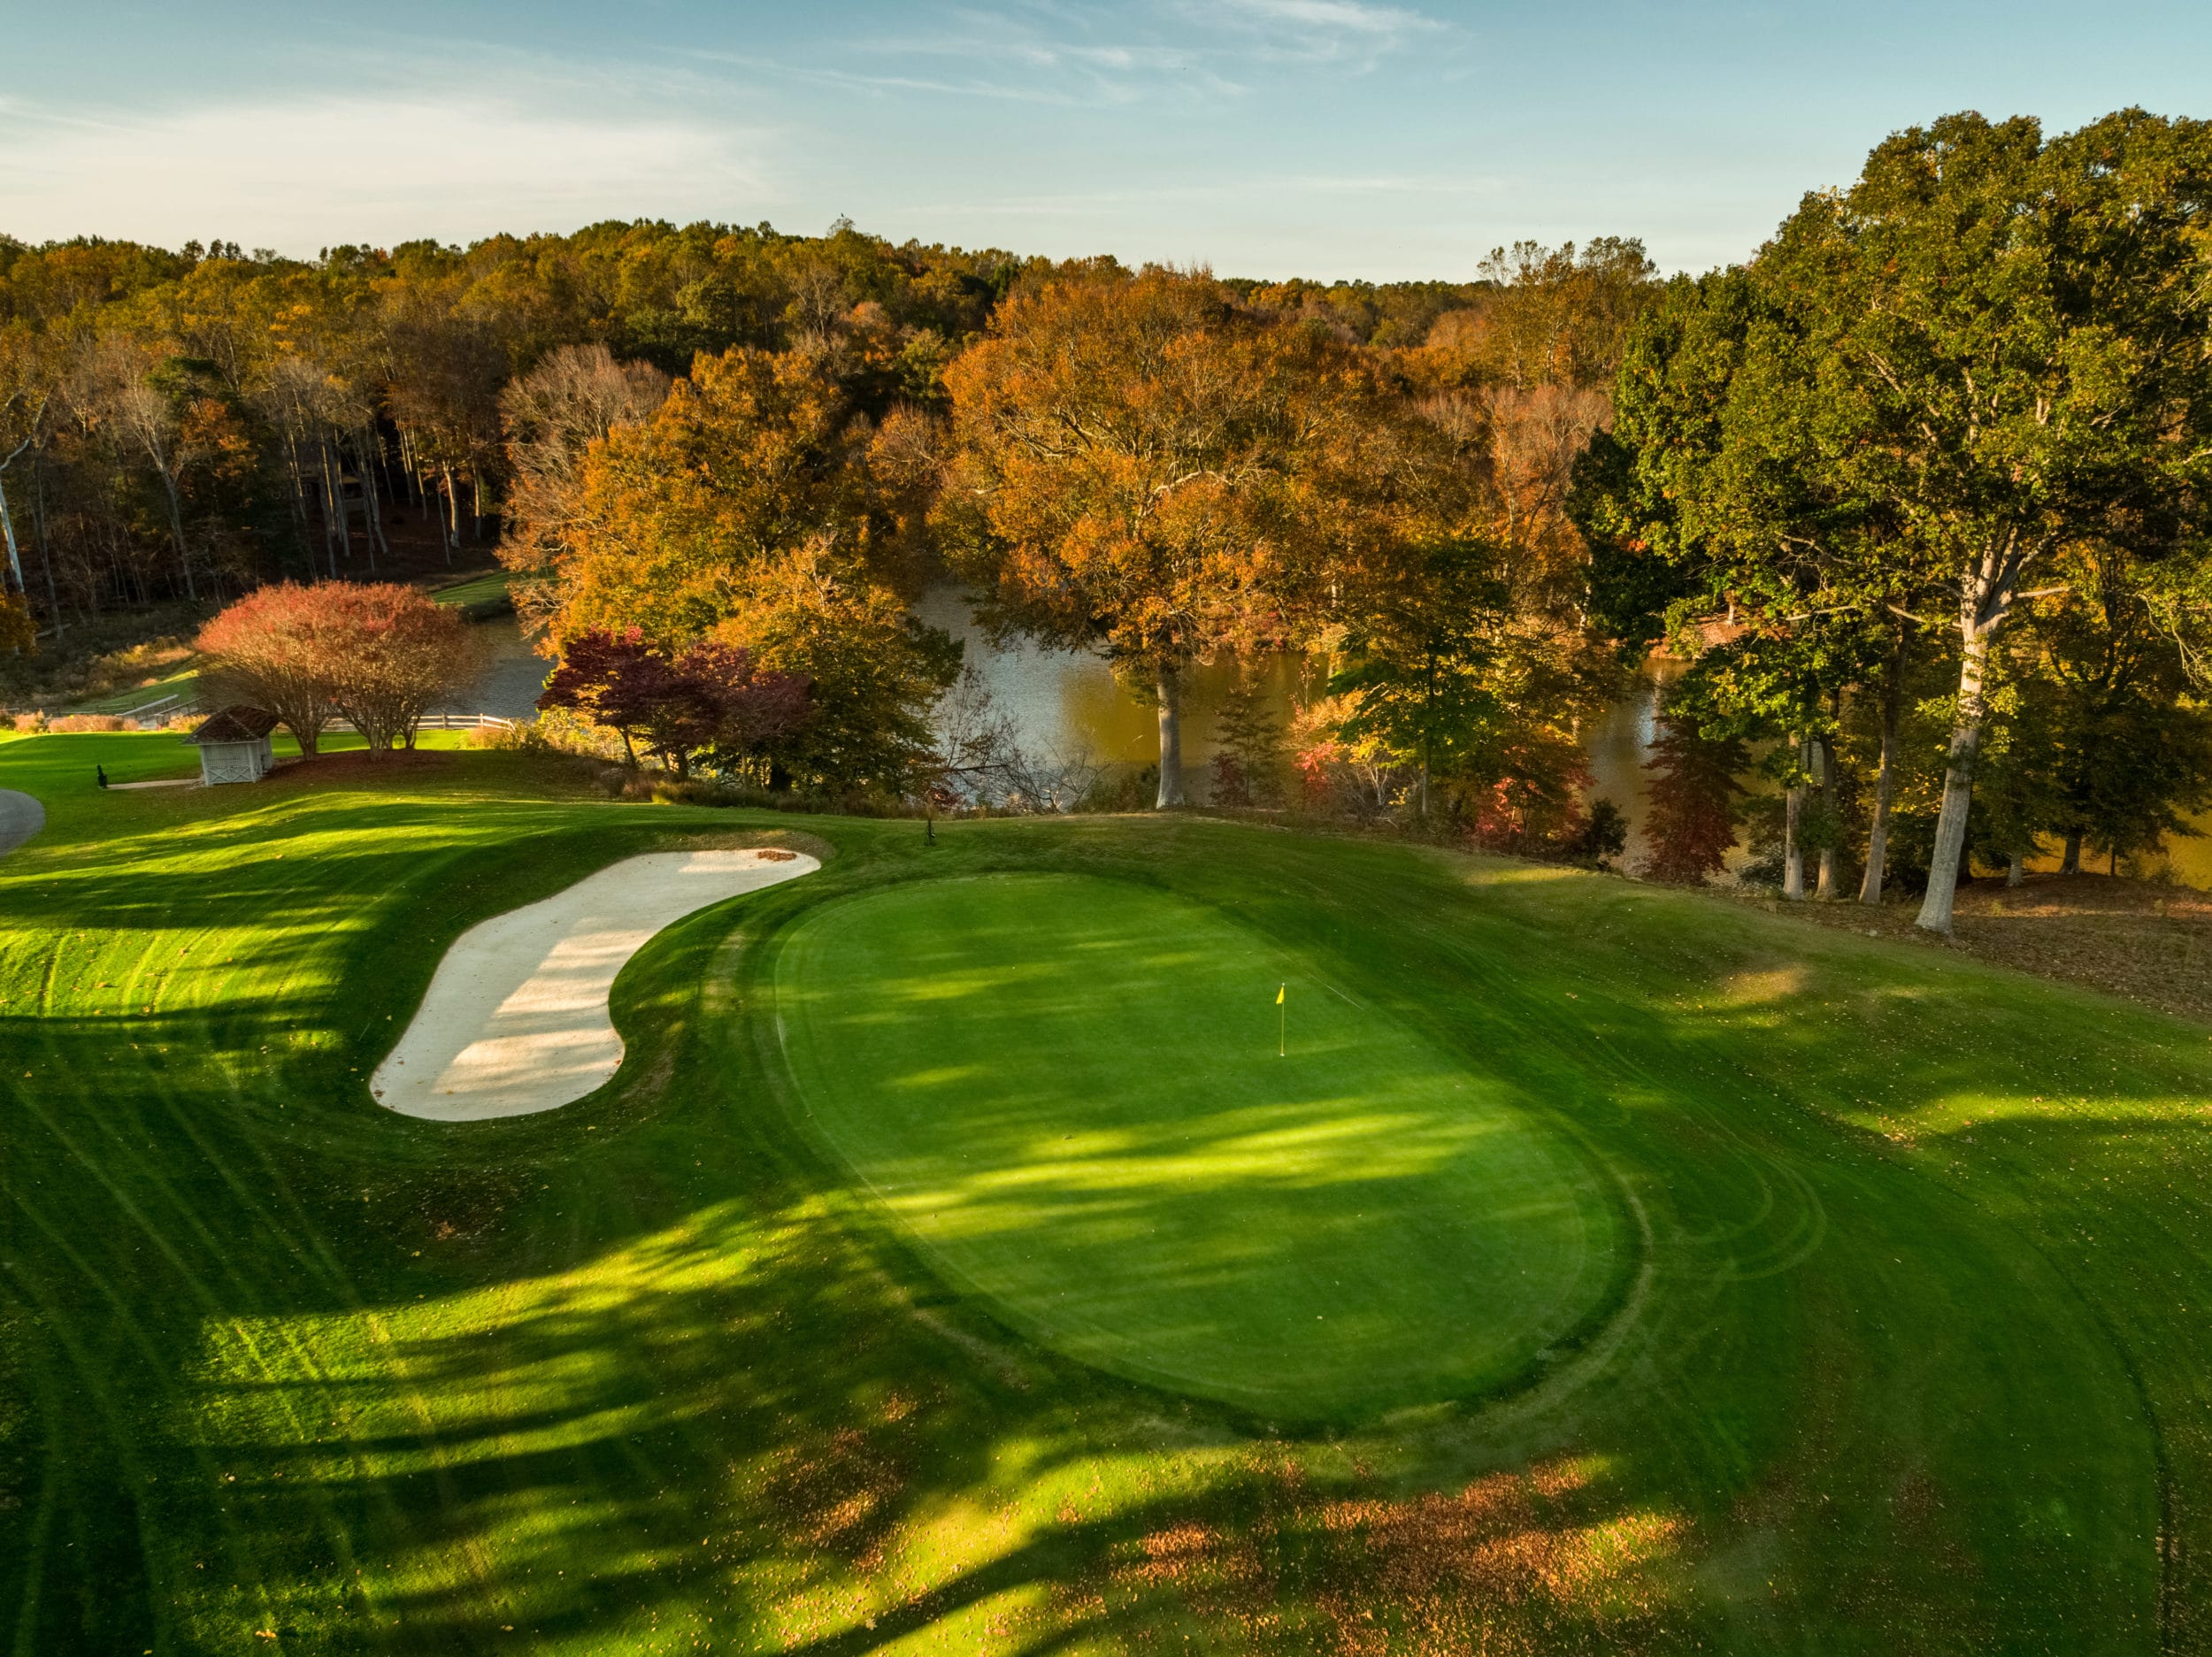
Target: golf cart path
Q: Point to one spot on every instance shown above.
(516, 1019)
(20, 818)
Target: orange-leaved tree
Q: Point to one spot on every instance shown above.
(552, 417)
(378, 652)
(1142, 466)
(753, 457)
(758, 506)
(393, 651)
(272, 650)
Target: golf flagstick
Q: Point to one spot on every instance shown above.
(1282, 1024)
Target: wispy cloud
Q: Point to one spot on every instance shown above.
(1278, 192)
(1348, 32)
(297, 172)
(1042, 52)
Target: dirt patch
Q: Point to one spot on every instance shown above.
(356, 766)
(2135, 939)
(1757, 988)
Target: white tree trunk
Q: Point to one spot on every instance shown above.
(1793, 854)
(1171, 690)
(370, 508)
(1958, 788)
(45, 545)
(1984, 600)
(2017, 871)
(7, 526)
(453, 512)
(176, 528)
(1826, 745)
(1885, 786)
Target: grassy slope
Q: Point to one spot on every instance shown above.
(1914, 1357)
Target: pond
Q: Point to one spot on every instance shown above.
(1067, 705)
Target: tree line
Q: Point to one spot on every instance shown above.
(1917, 492)
(1926, 480)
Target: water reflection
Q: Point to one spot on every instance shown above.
(514, 673)
(1069, 702)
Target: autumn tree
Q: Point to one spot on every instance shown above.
(1716, 466)
(709, 699)
(873, 670)
(1416, 659)
(276, 648)
(1143, 467)
(390, 651)
(117, 386)
(25, 399)
(2103, 728)
(1251, 757)
(1691, 816)
(551, 416)
(753, 457)
(749, 509)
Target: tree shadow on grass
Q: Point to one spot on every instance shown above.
(648, 1372)
(742, 1430)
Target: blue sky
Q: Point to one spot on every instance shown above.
(1327, 138)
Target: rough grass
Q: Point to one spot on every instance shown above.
(2141, 939)
(1909, 1354)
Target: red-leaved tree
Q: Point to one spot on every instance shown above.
(709, 699)
(392, 651)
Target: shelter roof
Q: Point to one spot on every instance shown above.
(238, 723)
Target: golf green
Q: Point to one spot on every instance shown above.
(1068, 1093)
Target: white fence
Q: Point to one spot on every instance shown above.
(444, 721)
(162, 709)
(151, 715)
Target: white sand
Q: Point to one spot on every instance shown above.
(516, 1018)
(20, 818)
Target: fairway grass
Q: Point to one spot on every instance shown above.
(1877, 1279)
(1069, 1091)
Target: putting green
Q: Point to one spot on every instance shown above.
(1067, 1090)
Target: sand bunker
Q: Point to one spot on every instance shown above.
(20, 818)
(516, 1018)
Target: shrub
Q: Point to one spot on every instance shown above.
(1602, 837)
(72, 722)
(1123, 788)
(709, 699)
(522, 737)
(28, 722)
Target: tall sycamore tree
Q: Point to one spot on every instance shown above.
(2012, 333)
(1142, 466)
(1721, 464)
(1988, 349)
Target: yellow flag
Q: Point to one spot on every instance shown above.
(1278, 995)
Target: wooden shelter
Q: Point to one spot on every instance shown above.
(234, 745)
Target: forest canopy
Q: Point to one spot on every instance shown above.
(1917, 492)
